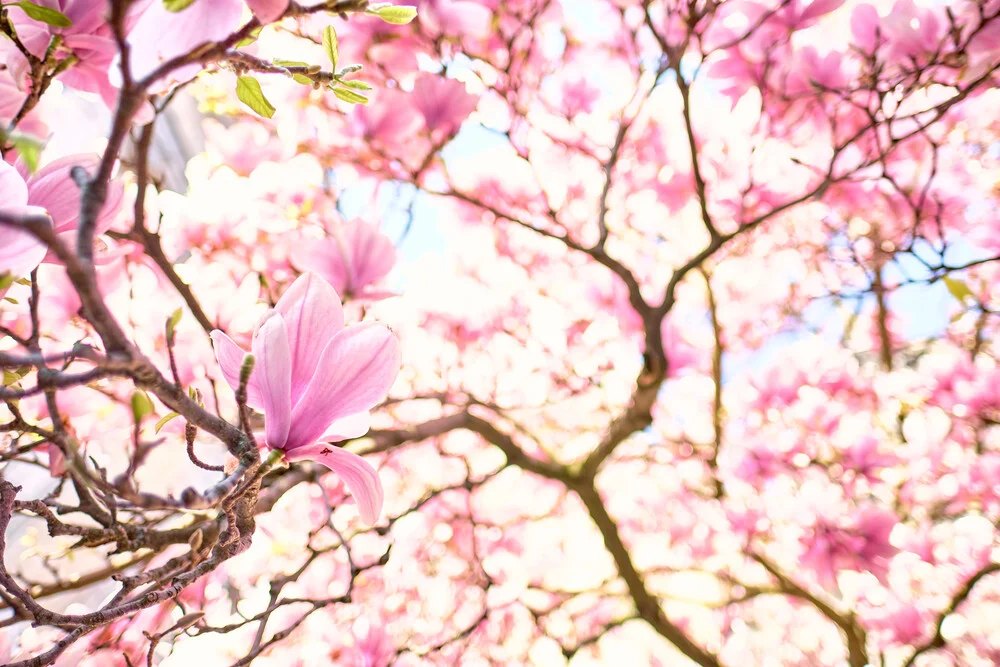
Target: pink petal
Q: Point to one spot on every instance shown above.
(273, 369)
(361, 479)
(13, 189)
(20, 252)
(372, 254)
(355, 372)
(351, 426)
(53, 189)
(160, 35)
(267, 11)
(323, 257)
(230, 356)
(313, 315)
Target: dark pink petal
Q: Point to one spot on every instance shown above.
(273, 369)
(230, 356)
(361, 479)
(313, 316)
(354, 374)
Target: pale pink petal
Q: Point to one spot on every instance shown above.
(313, 316)
(160, 35)
(864, 27)
(267, 11)
(273, 368)
(375, 294)
(355, 372)
(444, 103)
(351, 426)
(230, 356)
(372, 254)
(324, 258)
(361, 479)
(20, 252)
(13, 189)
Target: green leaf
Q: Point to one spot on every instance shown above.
(47, 15)
(29, 149)
(177, 5)
(300, 78)
(142, 405)
(958, 289)
(356, 85)
(254, 34)
(349, 95)
(163, 422)
(395, 14)
(330, 46)
(172, 321)
(6, 280)
(249, 92)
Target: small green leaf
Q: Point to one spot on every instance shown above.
(6, 280)
(177, 5)
(349, 95)
(47, 15)
(172, 322)
(254, 34)
(958, 289)
(300, 78)
(29, 149)
(142, 405)
(249, 92)
(356, 85)
(394, 14)
(163, 422)
(330, 46)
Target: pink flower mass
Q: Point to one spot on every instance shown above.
(499, 332)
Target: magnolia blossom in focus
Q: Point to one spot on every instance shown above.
(357, 256)
(315, 381)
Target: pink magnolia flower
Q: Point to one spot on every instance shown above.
(53, 189)
(316, 380)
(383, 123)
(357, 256)
(160, 35)
(20, 252)
(859, 542)
(459, 18)
(89, 39)
(444, 103)
(578, 96)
